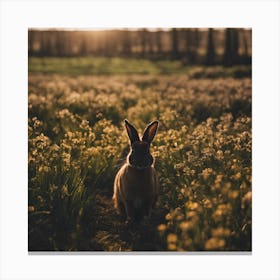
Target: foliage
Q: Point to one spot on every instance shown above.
(108, 66)
(77, 143)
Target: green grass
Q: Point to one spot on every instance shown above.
(74, 66)
(103, 66)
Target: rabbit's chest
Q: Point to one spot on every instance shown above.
(140, 189)
(137, 202)
(139, 186)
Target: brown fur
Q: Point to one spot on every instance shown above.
(135, 191)
(136, 183)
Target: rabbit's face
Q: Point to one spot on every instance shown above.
(139, 155)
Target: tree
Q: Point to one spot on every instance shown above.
(231, 55)
(150, 41)
(175, 49)
(158, 42)
(235, 44)
(191, 44)
(59, 43)
(83, 45)
(245, 43)
(126, 42)
(188, 43)
(227, 48)
(210, 56)
(31, 42)
(43, 44)
(143, 39)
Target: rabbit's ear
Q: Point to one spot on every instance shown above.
(150, 132)
(132, 132)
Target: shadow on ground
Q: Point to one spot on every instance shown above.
(113, 234)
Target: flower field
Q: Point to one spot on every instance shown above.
(77, 143)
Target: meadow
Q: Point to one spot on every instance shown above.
(77, 143)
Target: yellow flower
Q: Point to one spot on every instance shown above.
(237, 176)
(161, 227)
(187, 242)
(219, 154)
(206, 173)
(180, 217)
(247, 199)
(215, 243)
(64, 191)
(172, 247)
(193, 205)
(191, 214)
(233, 194)
(31, 208)
(220, 232)
(218, 179)
(207, 203)
(186, 226)
(172, 238)
(168, 216)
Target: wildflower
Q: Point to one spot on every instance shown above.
(171, 238)
(247, 199)
(161, 227)
(171, 246)
(179, 166)
(233, 194)
(243, 186)
(234, 167)
(53, 188)
(218, 214)
(203, 166)
(179, 217)
(206, 173)
(64, 191)
(207, 203)
(168, 217)
(219, 178)
(64, 113)
(54, 147)
(187, 242)
(195, 207)
(237, 176)
(186, 225)
(43, 168)
(31, 208)
(220, 232)
(66, 158)
(215, 243)
(219, 155)
(191, 214)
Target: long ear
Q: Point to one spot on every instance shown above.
(150, 132)
(132, 132)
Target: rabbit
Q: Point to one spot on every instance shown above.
(136, 183)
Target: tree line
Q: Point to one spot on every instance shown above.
(210, 46)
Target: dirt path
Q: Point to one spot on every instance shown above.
(113, 234)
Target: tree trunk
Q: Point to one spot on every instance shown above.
(175, 50)
(143, 35)
(245, 43)
(158, 42)
(227, 48)
(210, 56)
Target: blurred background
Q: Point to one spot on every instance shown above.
(206, 46)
